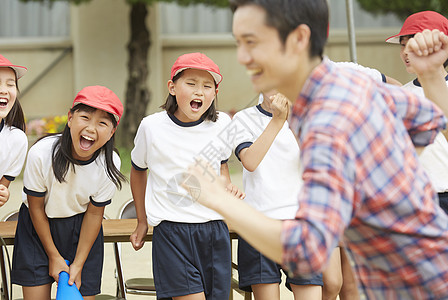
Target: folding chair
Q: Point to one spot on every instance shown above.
(5, 262)
(136, 286)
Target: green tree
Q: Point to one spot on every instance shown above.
(137, 92)
(404, 8)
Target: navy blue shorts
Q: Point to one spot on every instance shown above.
(443, 201)
(30, 262)
(192, 258)
(255, 268)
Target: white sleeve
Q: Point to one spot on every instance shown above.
(18, 154)
(225, 123)
(373, 73)
(139, 153)
(241, 135)
(33, 176)
(107, 190)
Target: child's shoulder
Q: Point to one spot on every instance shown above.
(246, 111)
(224, 117)
(157, 117)
(15, 134)
(42, 150)
(45, 143)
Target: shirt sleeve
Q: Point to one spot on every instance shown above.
(422, 118)
(18, 155)
(241, 135)
(139, 153)
(33, 176)
(325, 203)
(107, 190)
(373, 73)
(225, 121)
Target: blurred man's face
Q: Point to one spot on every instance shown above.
(270, 64)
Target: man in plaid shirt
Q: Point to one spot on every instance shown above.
(359, 139)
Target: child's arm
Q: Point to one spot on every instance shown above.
(138, 189)
(427, 52)
(56, 262)
(230, 187)
(4, 194)
(91, 225)
(4, 191)
(252, 156)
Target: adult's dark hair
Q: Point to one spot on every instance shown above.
(410, 36)
(170, 104)
(15, 116)
(287, 15)
(62, 152)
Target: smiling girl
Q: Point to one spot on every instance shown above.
(13, 141)
(69, 179)
(191, 246)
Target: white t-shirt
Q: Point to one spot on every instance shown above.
(13, 147)
(434, 157)
(373, 73)
(88, 182)
(167, 147)
(274, 186)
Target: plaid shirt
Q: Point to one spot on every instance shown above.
(362, 180)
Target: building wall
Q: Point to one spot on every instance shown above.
(44, 91)
(100, 34)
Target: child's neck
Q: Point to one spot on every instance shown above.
(266, 106)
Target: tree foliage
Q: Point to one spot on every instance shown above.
(217, 3)
(404, 8)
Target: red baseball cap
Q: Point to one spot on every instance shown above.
(196, 61)
(420, 21)
(102, 98)
(20, 71)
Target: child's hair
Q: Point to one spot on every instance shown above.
(170, 104)
(62, 151)
(197, 61)
(15, 116)
(286, 15)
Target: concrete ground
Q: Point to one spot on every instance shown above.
(135, 263)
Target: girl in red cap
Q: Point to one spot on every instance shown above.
(434, 157)
(13, 141)
(191, 245)
(69, 178)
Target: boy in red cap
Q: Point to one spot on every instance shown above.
(13, 140)
(435, 156)
(69, 178)
(362, 181)
(191, 245)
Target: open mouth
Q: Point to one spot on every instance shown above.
(253, 72)
(86, 142)
(3, 102)
(196, 104)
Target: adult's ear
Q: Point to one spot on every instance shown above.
(299, 38)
